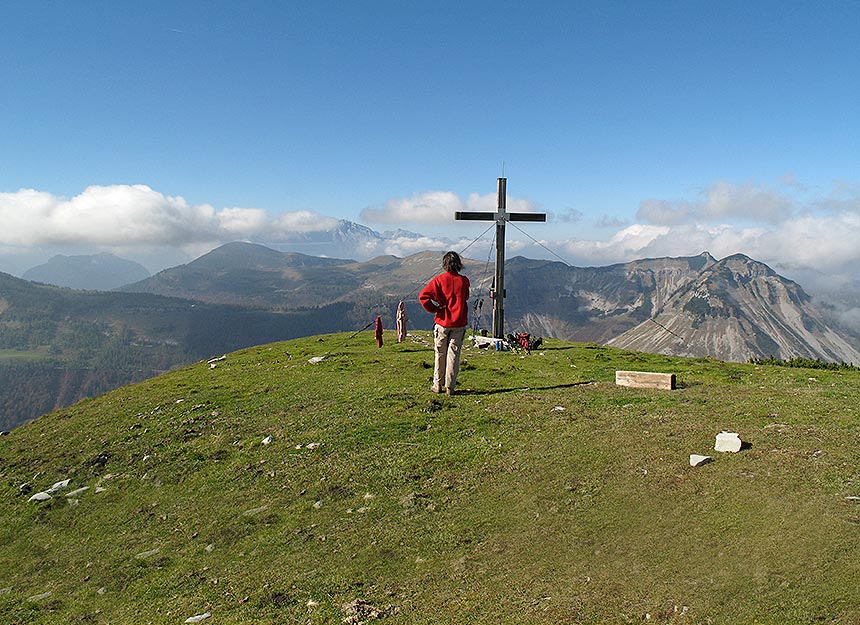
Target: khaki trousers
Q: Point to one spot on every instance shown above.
(448, 343)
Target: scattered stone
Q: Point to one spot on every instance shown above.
(224, 357)
(318, 505)
(100, 489)
(102, 590)
(58, 486)
(255, 511)
(4, 433)
(72, 501)
(316, 359)
(367, 496)
(39, 597)
(25, 489)
(852, 498)
(78, 491)
(696, 460)
(198, 618)
(312, 445)
(43, 496)
(312, 603)
(728, 441)
(212, 365)
(360, 611)
(558, 409)
(147, 554)
(101, 460)
(268, 440)
(210, 548)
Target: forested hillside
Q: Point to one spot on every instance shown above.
(59, 345)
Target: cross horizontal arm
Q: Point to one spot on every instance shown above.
(526, 216)
(484, 216)
(475, 215)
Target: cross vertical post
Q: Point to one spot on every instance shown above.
(498, 292)
(501, 217)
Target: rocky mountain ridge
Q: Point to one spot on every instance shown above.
(731, 309)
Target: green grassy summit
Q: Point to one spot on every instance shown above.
(541, 493)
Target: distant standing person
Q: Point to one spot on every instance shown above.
(402, 321)
(447, 297)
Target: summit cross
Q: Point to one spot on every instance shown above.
(501, 217)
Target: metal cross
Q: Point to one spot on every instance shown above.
(501, 216)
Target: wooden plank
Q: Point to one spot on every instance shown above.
(644, 379)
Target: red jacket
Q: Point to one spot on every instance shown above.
(447, 296)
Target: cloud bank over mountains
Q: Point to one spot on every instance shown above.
(438, 207)
(788, 226)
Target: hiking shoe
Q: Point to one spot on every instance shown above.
(435, 389)
(449, 391)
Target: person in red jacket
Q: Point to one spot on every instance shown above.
(447, 297)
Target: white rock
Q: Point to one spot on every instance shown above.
(728, 441)
(58, 486)
(316, 359)
(318, 505)
(78, 491)
(43, 496)
(255, 511)
(39, 597)
(558, 409)
(198, 618)
(268, 440)
(146, 554)
(696, 460)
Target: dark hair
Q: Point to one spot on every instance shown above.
(451, 262)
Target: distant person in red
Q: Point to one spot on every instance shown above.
(447, 297)
(379, 331)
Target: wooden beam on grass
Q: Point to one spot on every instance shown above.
(644, 379)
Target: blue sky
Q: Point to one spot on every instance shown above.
(642, 128)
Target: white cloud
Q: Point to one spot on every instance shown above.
(432, 207)
(570, 215)
(722, 201)
(298, 222)
(242, 221)
(438, 207)
(120, 216)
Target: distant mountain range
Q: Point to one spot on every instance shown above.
(96, 272)
(58, 345)
(732, 309)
